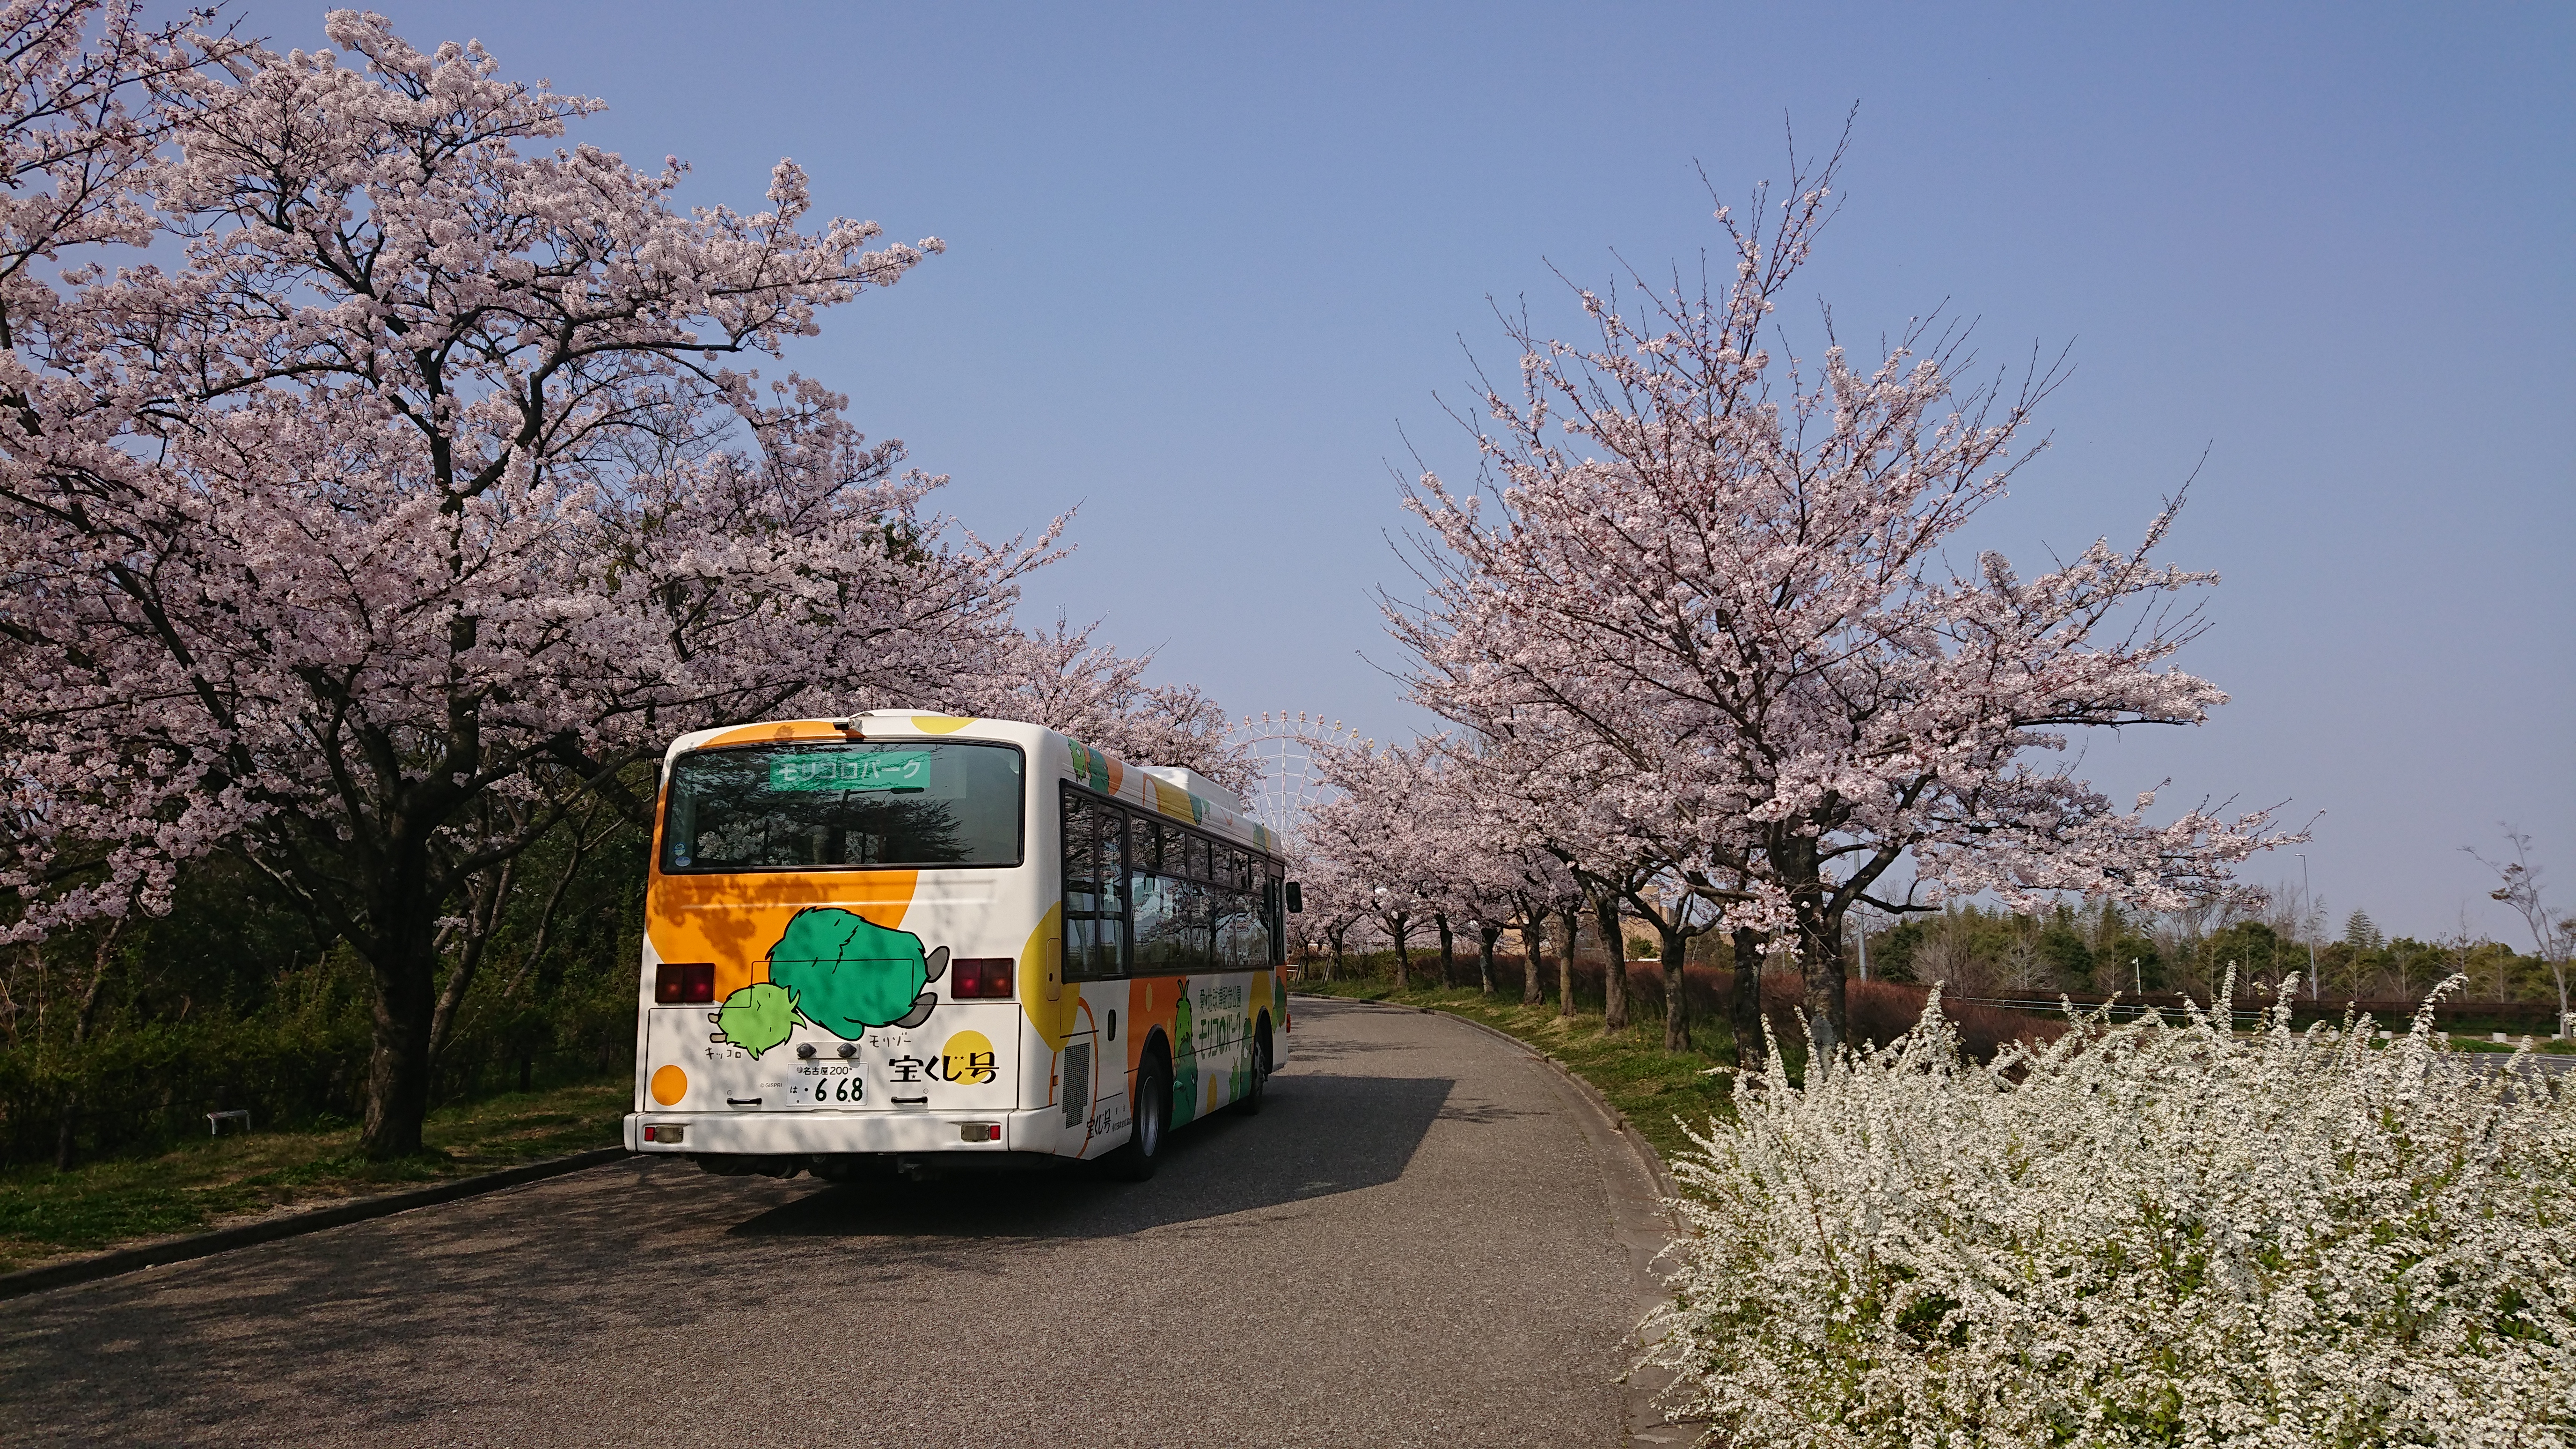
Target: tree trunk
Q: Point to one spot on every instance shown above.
(67, 1133)
(1820, 947)
(1744, 1003)
(1572, 917)
(1828, 1027)
(406, 967)
(1676, 1003)
(1333, 968)
(1485, 957)
(1531, 960)
(483, 916)
(536, 951)
(1403, 958)
(1614, 978)
(1448, 951)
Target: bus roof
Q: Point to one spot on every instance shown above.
(1058, 755)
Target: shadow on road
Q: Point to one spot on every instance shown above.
(1317, 1136)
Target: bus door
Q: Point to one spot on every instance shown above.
(1087, 1087)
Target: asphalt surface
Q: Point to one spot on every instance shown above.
(1427, 1238)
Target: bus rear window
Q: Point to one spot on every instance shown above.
(831, 806)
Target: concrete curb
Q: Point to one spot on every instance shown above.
(268, 1230)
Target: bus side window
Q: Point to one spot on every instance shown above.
(1095, 888)
(1234, 913)
(1156, 901)
(1110, 950)
(1081, 884)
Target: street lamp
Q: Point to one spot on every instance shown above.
(2307, 898)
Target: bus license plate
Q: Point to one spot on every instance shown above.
(833, 1084)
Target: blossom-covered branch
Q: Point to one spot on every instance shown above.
(1702, 588)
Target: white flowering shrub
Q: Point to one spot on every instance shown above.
(2152, 1234)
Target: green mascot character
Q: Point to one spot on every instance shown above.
(839, 971)
(1185, 1063)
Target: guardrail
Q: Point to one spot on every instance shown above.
(2240, 1018)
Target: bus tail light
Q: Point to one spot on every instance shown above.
(683, 983)
(664, 1133)
(980, 1132)
(974, 978)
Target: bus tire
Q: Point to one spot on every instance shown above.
(1150, 1122)
(1253, 1095)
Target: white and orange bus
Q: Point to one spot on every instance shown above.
(906, 940)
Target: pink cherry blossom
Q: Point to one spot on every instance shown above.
(415, 488)
(1701, 605)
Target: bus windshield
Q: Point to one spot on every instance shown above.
(828, 806)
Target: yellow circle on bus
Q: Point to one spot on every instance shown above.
(1046, 998)
(967, 1059)
(670, 1084)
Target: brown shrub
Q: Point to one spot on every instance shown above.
(1879, 1011)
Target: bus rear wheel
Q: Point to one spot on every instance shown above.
(1151, 1124)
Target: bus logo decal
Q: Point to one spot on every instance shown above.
(839, 972)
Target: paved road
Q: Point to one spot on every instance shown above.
(2546, 1064)
(1428, 1238)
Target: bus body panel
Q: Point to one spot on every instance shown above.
(1054, 1067)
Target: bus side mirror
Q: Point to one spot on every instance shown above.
(1296, 899)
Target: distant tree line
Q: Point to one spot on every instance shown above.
(2097, 947)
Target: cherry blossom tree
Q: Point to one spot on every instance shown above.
(414, 475)
(1377, 830)
(1422, 830)
(1714, 575)
(79, 122)
(2518, 887)
(1617, 837)
(1475, 860)
(1336, 901)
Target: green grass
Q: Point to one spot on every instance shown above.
(46, 1214)
(2481, 1042)
(1651, 1087)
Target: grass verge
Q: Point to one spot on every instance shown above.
(1656, 1090)
(46, 1214)
(2543, 1045)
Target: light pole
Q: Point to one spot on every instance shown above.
(2308, 901)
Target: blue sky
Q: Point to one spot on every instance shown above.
(1213, 269)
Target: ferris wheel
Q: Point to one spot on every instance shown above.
(1287, 748)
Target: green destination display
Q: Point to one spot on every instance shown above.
(850, 770)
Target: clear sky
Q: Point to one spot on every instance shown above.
(1212, 270)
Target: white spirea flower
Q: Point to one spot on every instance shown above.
(2154, 1234)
